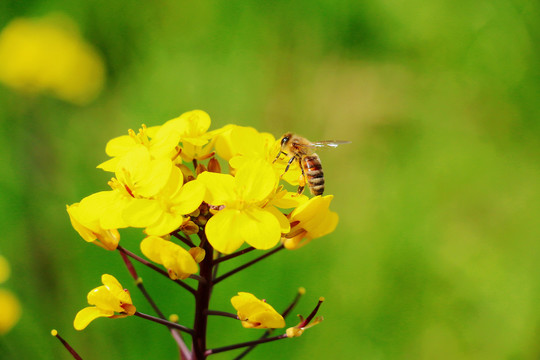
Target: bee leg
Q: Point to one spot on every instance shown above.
(289, 164)
(301, 184)
(302, 179)
(278, 155)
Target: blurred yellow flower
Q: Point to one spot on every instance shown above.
(310, 220)
(108, 299)
(255, 313)
(10, 308)
(178, 261)
(49, 55)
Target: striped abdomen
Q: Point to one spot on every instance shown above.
(313, 173)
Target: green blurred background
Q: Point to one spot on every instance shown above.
(436, 254)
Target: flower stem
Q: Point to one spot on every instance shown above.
(232, 256)
(167, 323)
(254, 261)
(241, 345)
(155, 268)
(184, 351)
(186, 240)
(222, 313)
(66, 345)
(202, 300)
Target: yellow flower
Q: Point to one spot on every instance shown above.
(243, 218)
(178, 261)
(121, 145)
(241, 144)
(310, 220)
(86, 218)
(234, 140)
(49, 55)
(190, 128)
(108, 299)
(255, 313)
(166, 211)
(141, 175)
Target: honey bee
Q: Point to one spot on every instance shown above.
(303, 150)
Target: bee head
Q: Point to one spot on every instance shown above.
(285, 139)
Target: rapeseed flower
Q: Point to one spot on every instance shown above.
(169, 181)
(243, 217)
(310, 220)
(255, 313)
(179, 262)
(108, 299)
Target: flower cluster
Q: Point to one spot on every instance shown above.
(49, 55)
(161, 184)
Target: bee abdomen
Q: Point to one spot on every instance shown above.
(314, 174)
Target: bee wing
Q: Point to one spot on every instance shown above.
(328, 143)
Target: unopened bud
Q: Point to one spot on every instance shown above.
(213, 165)
(200, 169)
(197, 253)
(186, 173)
(189, 228)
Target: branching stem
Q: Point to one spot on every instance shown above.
(167, 323)
(241, 345)
(155, 268)
(254, 261)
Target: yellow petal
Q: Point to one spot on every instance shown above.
(220, 187)
(166, 223)
(151, 248)
(87, 315)
(260, 228)
(255, 313)
(142, 212)
(188, 199)
(103, 299)
(255, 180)
(156, 177)
(109, 165)
(75, 216)
(115, 288)
(284, 224)
(177, 260)
(324, 226)
(224, 230)
(286, 200)
(198, 122)
(120, 145)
